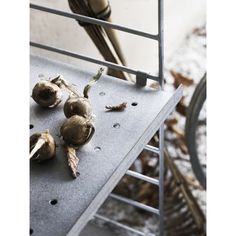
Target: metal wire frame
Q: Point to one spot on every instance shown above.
(142, 177)
(135, 203)
(152, 149)
(91, 59)
(122, 226)
(160, 78)
(96, 22)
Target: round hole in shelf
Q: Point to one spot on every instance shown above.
(41, 75)
(31, 126)
(31, 231)
(116, 126)
(53, 202)
(134, 104)
(97, 149)
(102, 94)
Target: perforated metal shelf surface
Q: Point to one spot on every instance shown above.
(119, 138)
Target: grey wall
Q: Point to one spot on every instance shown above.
(180, 17)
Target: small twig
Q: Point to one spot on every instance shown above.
(193, 183)
(180, 159)
(92, 82)
(179, 142)
(119, 107)
(73, 161)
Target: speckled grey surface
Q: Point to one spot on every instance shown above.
(100, 170)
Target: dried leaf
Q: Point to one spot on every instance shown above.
(144, 190)
(200, 31)
(181, 159)
(73, 161)
(119, 107)
(169, 122)
(178, 131)
(180, 143)
(192, 204)
(192, 182)
(180, 79)
(181, 108)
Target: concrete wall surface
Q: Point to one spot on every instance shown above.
(180, 18)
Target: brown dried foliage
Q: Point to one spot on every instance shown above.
(119, 107)
(181, 79)
(73, 160)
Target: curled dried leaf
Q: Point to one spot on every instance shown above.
(119, 107)
(73, 161)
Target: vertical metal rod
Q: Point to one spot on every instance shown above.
(161, 180)
(161, 41)
(161, 130)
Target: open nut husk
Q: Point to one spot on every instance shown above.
(46, 94)
(77, 130)
(42, 146)
(77, 105)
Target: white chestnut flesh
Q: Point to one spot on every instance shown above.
(42, 146)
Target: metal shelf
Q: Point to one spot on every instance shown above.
(101, 168)
(100, 171)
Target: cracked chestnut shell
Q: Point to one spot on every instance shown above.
(44, 144)
(77, 130)
(46, 94)
(76, 105)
